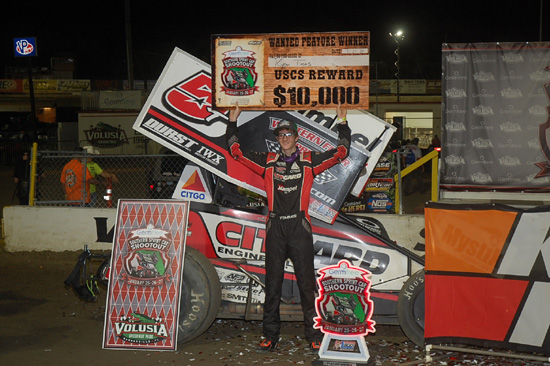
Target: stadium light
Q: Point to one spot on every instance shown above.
(397, 37)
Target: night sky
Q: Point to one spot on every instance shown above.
(93, 33)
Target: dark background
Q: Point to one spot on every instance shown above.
(93, 32)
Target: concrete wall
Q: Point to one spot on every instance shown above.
(57, 228)
(70, 228)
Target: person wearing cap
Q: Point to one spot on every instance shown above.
(96, 170)
(288, 179)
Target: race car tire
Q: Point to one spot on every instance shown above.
(103, 270)
(200, 296)
(410, 308)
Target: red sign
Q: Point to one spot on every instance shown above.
(145, 279)
(344, 305)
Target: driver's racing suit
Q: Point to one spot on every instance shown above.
(288, 228)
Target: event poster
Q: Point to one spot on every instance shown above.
(291, 71)
(146, 274)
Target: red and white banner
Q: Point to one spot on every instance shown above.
(487, 276)
(145, 278)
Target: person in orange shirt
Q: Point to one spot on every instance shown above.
(76, 179)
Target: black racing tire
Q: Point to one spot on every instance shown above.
(410, 308)
(102, 271)
(200, 296)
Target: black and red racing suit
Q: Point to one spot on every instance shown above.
(288, 228)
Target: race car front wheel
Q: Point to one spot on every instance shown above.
(200, 296)
(410, 308)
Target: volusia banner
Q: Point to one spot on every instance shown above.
(179, 115)
(495, 126)
(143, 300)
(487, 276)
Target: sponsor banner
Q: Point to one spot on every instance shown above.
(486, 284)
(73, 86)
(11, 85)
(291, 70)
(56, 86)
(379, 194)
(413, 86)
(368, 131)
(380, 202)
(495, 129)
(145, 279)
(371, 202)
(192, 186)
(41, 85)
(120, 100)
(354, 205)
(105, 131)
(25, 47)
(179, 115)
(44, 85)
(380, 184)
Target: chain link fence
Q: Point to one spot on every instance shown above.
(135, 177)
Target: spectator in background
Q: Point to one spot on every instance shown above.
(412, 153)
(96, 170)
(436, 142)
(76, 179)
(22, 178)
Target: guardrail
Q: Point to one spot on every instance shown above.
(432, 156)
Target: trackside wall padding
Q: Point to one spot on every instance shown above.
(487, 276)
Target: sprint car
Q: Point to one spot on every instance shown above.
(224, 273)
(225, 252)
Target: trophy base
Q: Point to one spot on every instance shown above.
(343, 351)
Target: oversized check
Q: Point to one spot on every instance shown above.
(291, 70)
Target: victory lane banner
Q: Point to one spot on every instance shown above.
(143, 299)
(291, 71)
(179, 115)
(487, 276)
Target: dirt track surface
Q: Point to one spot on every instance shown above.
(45, 323)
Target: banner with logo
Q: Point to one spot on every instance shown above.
(179, 115)
(145, 279)
(291, 70)
(193, 186)
(25, 47)
(368, 131)
(379, 194)
(11, 86)
(106, 131)
(117, 100)
(487, 276)
(495, 126)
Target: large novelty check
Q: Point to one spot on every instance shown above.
(291, 70)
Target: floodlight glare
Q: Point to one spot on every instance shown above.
(399, 35)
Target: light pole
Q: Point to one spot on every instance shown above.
(397, 37)
(129, 57)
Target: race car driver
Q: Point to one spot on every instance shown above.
(288, 178)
